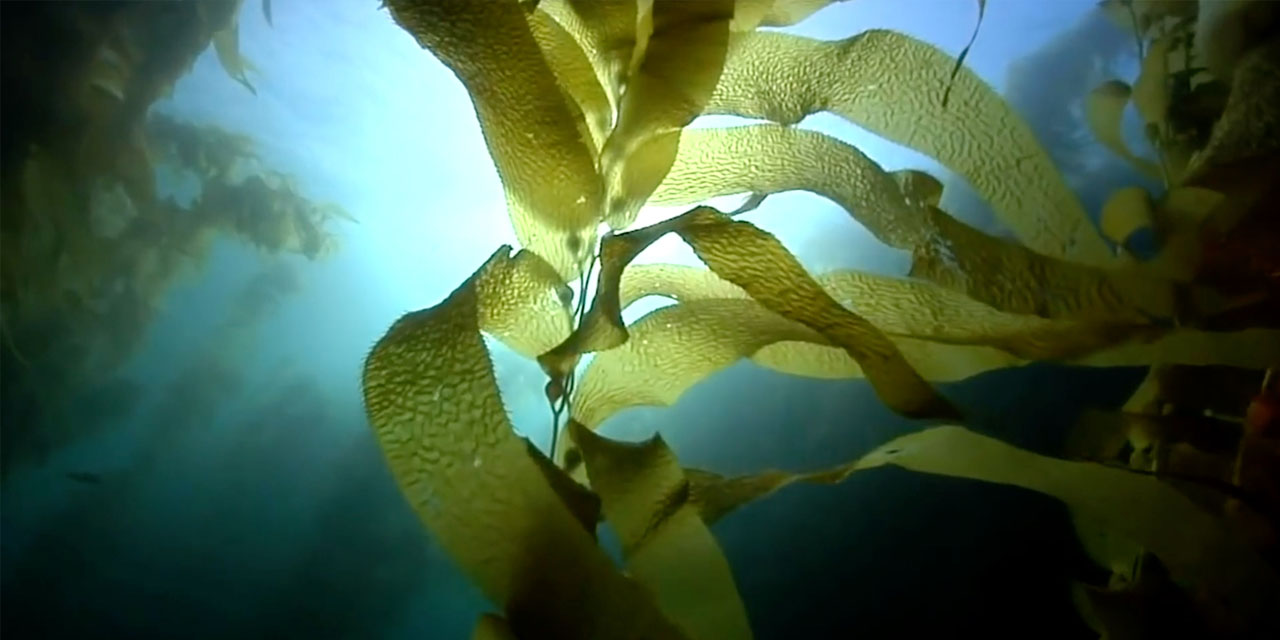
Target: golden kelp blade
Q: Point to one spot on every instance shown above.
(904, 308)
(919, 186)
(433, 402)
(520, 305)
(674, 348)
(1196, 546)
(666, 91)
(1009, 277)
(676, 281)
(575, 75)
(606, 31)
(554, 194)
(755, 260)
(892, 84)
(1104, 111)
(665, 543)
(749, 14)
(716, 496)
(602, 328)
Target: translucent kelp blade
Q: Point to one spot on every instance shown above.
(1197, 547)
(919, 186)
(1104, 111)
(892, 85)
(772, 158)
(665, 543)
(665, 92)
(606, 31)
(521, 307)
(431, 397)
(674, 348)
(716, 496)
(554, 194)
(754, 260)
(749, 14)
(676, 281)
(905, 308)
(575, 74)
(602, 327)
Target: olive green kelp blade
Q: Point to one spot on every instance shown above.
(892, 85)
(668, 89)
(666, 545)
(754, 260)
(433, 402)
(554, 194)
(1197, 547)
(765, 159)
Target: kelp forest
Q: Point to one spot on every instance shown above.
(587, 110)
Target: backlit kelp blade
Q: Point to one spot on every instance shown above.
(554, 194)
(892, 85)
(433, 402)
(665, 543)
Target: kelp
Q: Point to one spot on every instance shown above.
(665, 543)
(554, 193)
(772, 158)
(433, 402)
(91, 248)
(891, 85)
(608, 90)
(754, 260)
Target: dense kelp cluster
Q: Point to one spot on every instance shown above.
(584, 107)
(107, 204)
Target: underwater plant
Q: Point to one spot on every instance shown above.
(93, 234)
(584, 107)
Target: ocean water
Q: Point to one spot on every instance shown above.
(241, 493)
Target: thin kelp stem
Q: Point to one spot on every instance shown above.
(560, 398)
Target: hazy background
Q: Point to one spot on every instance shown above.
(246, 497)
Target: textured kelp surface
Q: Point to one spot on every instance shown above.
(584, 107)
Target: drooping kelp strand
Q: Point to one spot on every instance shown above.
(433, 402)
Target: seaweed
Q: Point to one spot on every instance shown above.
(583, 138)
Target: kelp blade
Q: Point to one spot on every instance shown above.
(892, 85)
(665, 543)
(432, 399)
(554, 193)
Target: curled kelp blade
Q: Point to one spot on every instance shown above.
(674, 348)
(892, 85)
(667, 89)
(554, 194)
(433, 402)
(1104, 111)
(601, 327)
(575, 75)
(607, 33)
(754, 260)
(665, 543)
(1198, 548)
(1012, 278)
